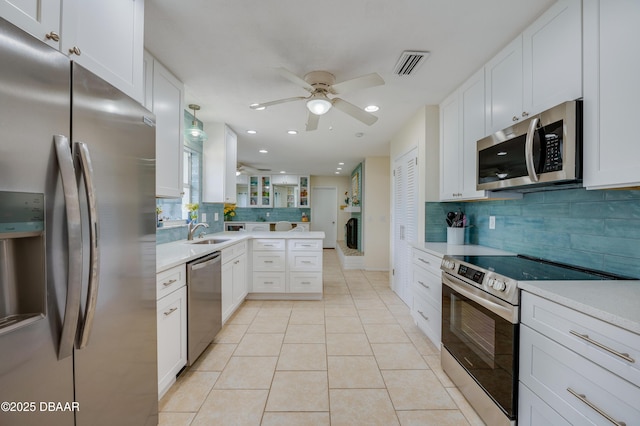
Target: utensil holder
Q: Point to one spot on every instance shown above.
(455, 236)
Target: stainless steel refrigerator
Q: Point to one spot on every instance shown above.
(77, 244)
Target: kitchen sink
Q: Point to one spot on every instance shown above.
(211, 241)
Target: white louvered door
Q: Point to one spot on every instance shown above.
(405, 221)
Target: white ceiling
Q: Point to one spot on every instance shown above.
(226, 52)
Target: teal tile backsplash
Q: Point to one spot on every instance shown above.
(593, 229)
(252, 214)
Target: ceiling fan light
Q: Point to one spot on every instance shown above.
(319, 105)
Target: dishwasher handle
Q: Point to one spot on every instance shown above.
(205, 261)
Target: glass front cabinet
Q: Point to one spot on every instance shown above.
(260, 191)
(303, 198)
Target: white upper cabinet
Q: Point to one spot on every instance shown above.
(503, 75)
(165, 95)
(552, 57)
(450, 148)
(541, 68)
(220, 152)
(611, 92)
(39, 18)
(461, 126)
(104, 37)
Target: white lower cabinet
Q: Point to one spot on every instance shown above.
(426, 287)
(234, 278)
(558, 347)
(171, 311)
(286, 268)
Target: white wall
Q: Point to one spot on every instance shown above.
(421, 131)
(342, 184)
(376, 219)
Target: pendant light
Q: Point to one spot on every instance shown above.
(195, 133)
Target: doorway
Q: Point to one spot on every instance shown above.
(324, 212)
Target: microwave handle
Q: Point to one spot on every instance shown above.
(528, 149)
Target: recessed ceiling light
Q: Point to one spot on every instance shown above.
(339, 168)
(341, 164)
(371, 108)
(282, 171)
(258, 108)
(292, 132)
(337, 173)
(251, 132)
(263, 151)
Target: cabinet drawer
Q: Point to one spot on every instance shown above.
(305, 282)
(269, 282)
(533, 411)
(268, 261)
(428, 285)
(233, 251)
(170, 280)
(601, 342)
(305, 261)
(569, 382)
(172, 337)
(305, 245)
(428, 318)
(268, 244)
(427, 261)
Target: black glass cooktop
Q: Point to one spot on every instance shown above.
(525, 268)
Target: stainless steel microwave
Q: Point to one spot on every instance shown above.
(541, 152)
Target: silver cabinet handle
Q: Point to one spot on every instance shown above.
(515, 118)
(525, 114)
(53, 36)
(268, 261)
(528, 150)
(594, 407)
(236, 262)
(586, 338)
(75, 50)
(74, 241)
(423, 316)
(423, 285)
(268, 282)
(168, 283)
(305, 282)
(425, 261)
(86, 166)
(170, 311)
(305, 261)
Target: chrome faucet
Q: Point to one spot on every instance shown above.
(192, 229)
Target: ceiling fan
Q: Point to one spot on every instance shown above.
(322, 83)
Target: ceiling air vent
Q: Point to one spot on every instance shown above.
(409, 61)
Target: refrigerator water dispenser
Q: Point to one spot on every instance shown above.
(22, 260)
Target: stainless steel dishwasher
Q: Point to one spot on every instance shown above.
(204, 303)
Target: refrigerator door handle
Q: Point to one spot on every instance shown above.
(86, 166)
(74, 240)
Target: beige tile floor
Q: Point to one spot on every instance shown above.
(353, 358)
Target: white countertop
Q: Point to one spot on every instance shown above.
(441, 249)
(175, 253)
(616, 302)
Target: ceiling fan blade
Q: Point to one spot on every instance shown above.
(354, 111)
(295, 79)
(279, 101)
(312, 121)
(362, 82)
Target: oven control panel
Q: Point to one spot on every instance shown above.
(485, 279)
(471, 273)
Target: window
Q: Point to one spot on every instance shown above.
(192, 166)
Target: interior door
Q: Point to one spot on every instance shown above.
(405, 221)
(324, 214)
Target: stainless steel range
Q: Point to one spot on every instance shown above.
(480, 325)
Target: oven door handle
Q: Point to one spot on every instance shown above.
(498, 307)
